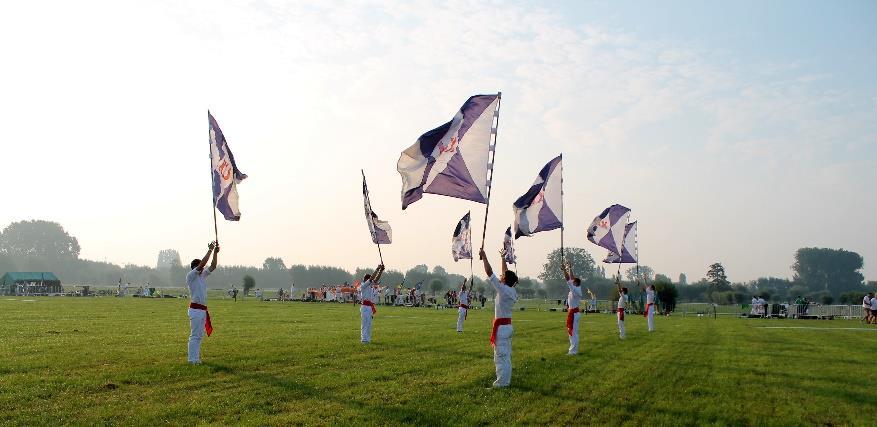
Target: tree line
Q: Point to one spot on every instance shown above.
(821, 274)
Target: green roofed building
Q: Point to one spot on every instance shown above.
(30, 284)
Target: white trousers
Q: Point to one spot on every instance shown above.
(196, 326)
(651, 318)
(621, 332)
(365, 329)
(461, 316)
(502, 356)
(574, 338)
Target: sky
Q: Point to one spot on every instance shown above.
(737, 132)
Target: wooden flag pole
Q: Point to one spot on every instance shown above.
(368, 201)
(492, 165)
(562, 254)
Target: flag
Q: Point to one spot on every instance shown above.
(379, 230)
(541, 207)
(226, 175)
(629, 250)
(508, 245)
(452, 159)
(607, 229)
(461, 243)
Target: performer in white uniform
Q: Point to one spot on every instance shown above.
(199, 317)
(650, 307)
(463, 311)
(622, 303)
(367, 299)
(573, 313)
(501, 336)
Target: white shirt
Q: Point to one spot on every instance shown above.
(650, 296)
(464, 297)
(622, 299)
(506, 296)
(197, 285)
(574, 296)
(866, 302)
(873, 303)
(366, 291)
(761, 301)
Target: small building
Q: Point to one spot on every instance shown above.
(30, 283)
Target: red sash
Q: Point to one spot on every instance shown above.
(570, 315)
(621, 314)
(648, 307)
(207, 325)
(497, 322)
(466, 313)
(370, 304)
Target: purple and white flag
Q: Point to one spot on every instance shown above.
(629, 252)
(541, 207)
(461, 243)
(226, 174)
(508, 246)
(380, 230)
(607, 229)
(452, 159)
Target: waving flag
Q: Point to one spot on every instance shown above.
(461, 244)
(508, 245)
(629, 250)
(380, 230)
(452, 159)
(226, 174)
(541, 207)
(607, 230)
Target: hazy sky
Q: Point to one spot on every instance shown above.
(735, 131)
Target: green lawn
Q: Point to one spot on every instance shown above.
(122, 361)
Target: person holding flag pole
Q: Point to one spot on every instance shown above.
(367, 298)
(463, 310)
(573, 313)
(199, 317)
(622, 304)
(501, 334)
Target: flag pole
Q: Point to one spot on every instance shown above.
(492, 165)
(368, 201)
(562, 255)
(213, 205)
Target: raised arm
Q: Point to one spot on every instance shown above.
(377, 274)
(505, 266)
(487, 269)
(206, 257)
(567, 270)
(215, 257)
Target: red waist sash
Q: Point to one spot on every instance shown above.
(646, 312)
(370, 304)
(208, 327)
(497, 322)
(465, 314)
(570, 315)
(621, 314)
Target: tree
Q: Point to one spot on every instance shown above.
(436, 285)
(829, 270)
(37, 238)
(273, 264)
(662, 278)
(526, 287)
(552, 271)
(167, 259)
(717, 279)
(667, 294)
(683, 279)
(640, 274)
(439, 271)
(249, 283)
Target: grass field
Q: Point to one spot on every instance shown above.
(122, 361)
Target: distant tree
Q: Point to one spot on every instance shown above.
(167, 259)
(392, 277)
(641, 274)
(273, 264)
(436, 285)
(526, 287)
(662, 278)
(683, 279)
(829, 270)
(439, 271)
(851, 297)
(249, 283)
(717, 278)
(541, 293)
(667, 293)
(552, 274)
(40, 239)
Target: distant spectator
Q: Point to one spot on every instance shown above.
(866, 307)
